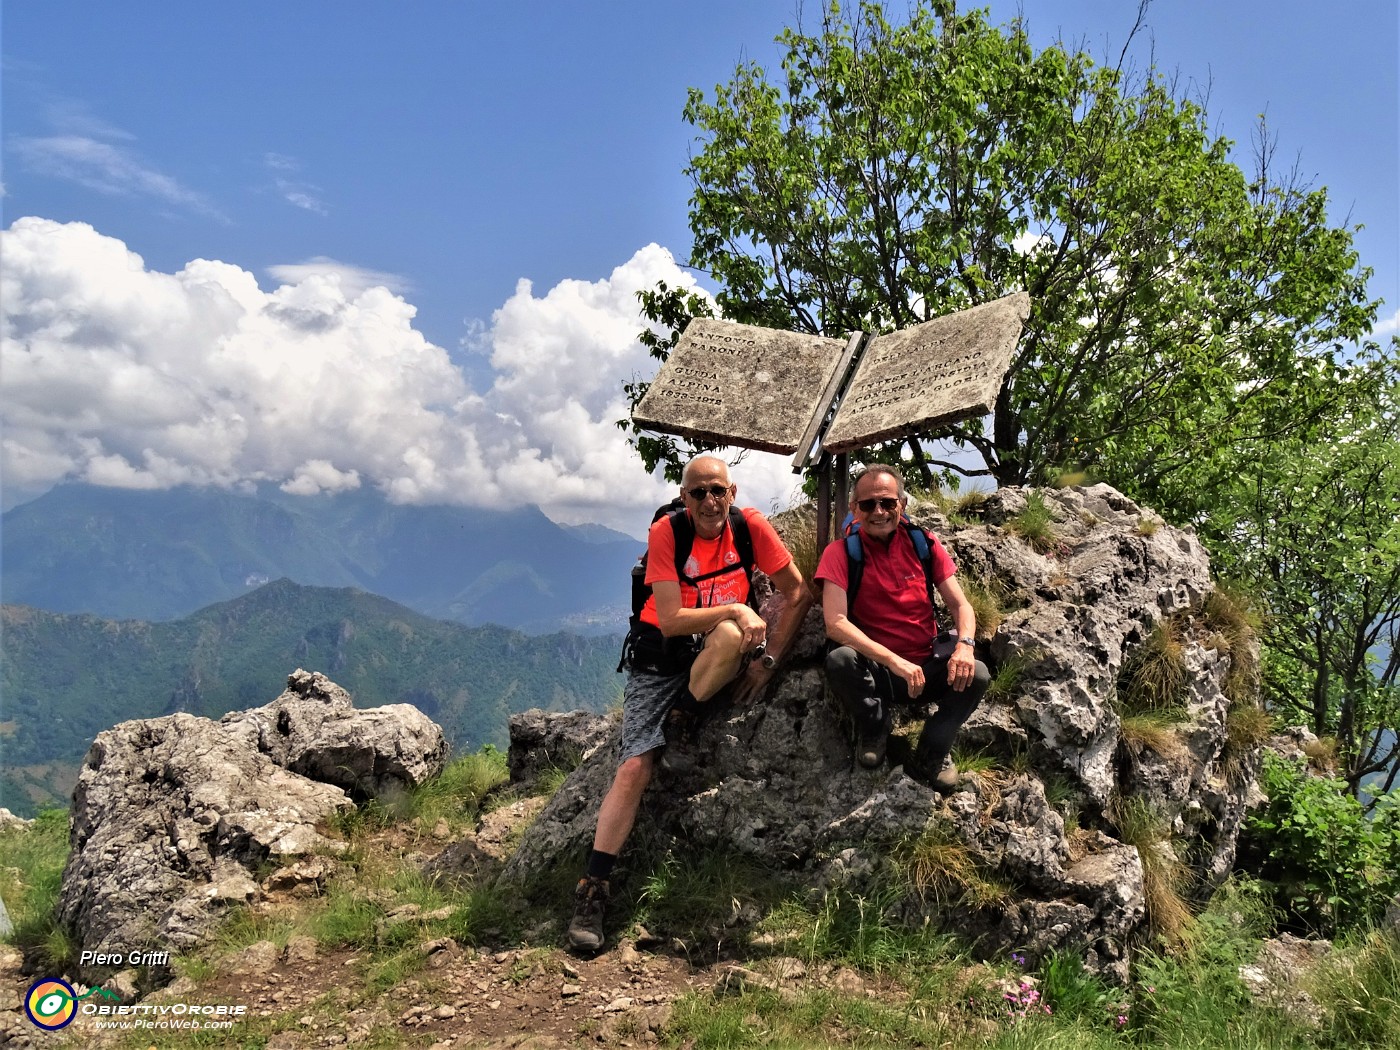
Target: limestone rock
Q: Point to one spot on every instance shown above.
(173, 816)
(544, 740)
(776, 780)
(1276, 976)
(314, 729)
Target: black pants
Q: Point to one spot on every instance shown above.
(854, 677)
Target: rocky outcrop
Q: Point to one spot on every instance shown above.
(541, 742)
(313, 729)
(777, 780)
(176, 818)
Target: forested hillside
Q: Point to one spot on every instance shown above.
(68, 677)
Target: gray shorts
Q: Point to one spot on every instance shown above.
(646, 700)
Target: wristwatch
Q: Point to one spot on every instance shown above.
(967, 640)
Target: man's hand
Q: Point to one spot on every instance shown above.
(961, 667)
(912, 674)
(753, 627)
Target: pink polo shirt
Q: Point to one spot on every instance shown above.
(892, 605)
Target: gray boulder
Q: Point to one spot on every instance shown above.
(314, 729)
(777, 780)
(174, 818)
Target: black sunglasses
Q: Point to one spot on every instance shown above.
(885, 503)
(700, 492)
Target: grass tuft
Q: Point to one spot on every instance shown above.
(1036, 525)
(1235, 621)
(1008, 675)
(1164, 874)
(30, 878)
(989, 603)
(1147, 526)
(1361, 991)
(1247, 726)
(1322, 754)
(1156, 730)
(692, 894)
(1154, 676)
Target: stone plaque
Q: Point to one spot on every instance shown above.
(738, 384)
(944, 370)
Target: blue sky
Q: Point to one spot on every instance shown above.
(446, 152)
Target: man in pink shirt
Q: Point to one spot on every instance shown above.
(884, 641)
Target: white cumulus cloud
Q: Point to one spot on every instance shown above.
(121, 375)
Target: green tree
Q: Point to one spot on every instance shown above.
(899, 172)
(1313, 526)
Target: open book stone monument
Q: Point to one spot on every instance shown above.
(786, 392)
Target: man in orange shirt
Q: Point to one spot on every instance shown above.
(697, 635)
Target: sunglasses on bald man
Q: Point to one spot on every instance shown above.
(700, 492)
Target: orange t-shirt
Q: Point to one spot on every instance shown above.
(730, 588)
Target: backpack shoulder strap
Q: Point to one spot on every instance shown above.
(743, 544)
(683, 529)
(855, 566)
(924, 549)
(743, 539)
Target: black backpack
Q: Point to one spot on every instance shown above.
(683, 529)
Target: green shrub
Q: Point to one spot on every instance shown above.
(1331, 866)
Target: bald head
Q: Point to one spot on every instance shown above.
(706, 468)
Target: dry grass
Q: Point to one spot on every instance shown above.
(1164, 874)
(970, 504)
(797, 527)
(1322, 754)
(1155, 730)
(1247, 725)
(1154, 675)
(940, 868)
(1235, 622)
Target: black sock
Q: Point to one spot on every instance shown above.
(600, 865)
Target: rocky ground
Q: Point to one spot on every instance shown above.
(300, 995)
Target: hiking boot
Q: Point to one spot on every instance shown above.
(942, 777)
(680, 726)
(872, 733)
(590, 901)
(947, 778)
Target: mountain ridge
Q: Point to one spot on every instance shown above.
(67, 677)
(162, 555)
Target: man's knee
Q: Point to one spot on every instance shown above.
(981, 678)
(635, 773)
(847, 671)
(724, 641)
